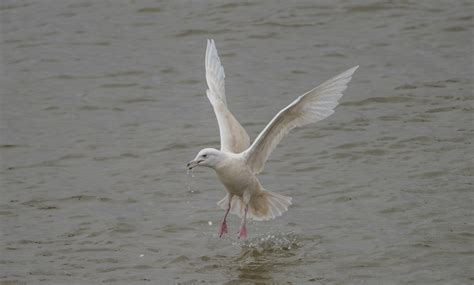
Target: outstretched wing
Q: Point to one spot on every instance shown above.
(233, 136)
(310, 107)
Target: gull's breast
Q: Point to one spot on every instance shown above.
(237, 178)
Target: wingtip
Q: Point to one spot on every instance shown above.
(350, 71)
(354, 68)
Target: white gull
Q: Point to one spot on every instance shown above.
(237, 163)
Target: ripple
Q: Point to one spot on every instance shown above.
(173, 146)
(367, 8)
(9, 146)
(4, 7)
(334, 54)
(118, 85)
(351, 145)
(442, 109)
(150, 10)
(288, 25)
(113, 157)
(123, 228)
(111, 269)
(235, 5)
(406, 87)
(368, 101)
(376, 152)
(7, 214)
(125, 73)
(97, 249)
(179, 259)
(435, 84)
(430, 174)
(195, 32)
(143, 24)
(264, 35)
(390, 118)
(138, 100)
(455, 29)
(168, 70)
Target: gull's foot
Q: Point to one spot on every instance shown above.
(223, 229)
(243, 232)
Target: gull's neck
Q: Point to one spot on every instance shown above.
(226, 159)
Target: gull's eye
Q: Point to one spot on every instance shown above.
(204, 155)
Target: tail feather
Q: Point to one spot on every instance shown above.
(279, 208)
(263, 206)
(236, 206)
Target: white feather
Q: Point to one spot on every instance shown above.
(233, 136)
(313, 106)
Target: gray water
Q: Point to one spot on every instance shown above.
(103, 103)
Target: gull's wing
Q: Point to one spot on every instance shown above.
(310, 107)
(233, 136)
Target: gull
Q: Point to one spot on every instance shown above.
(238, 162)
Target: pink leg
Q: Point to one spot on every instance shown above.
(243, 227)
(223, 229)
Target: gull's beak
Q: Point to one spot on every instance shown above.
(193, 163)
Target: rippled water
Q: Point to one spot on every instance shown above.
(103, 104)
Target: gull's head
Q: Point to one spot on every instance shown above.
(208, 157)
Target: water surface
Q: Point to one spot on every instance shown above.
(103, 103)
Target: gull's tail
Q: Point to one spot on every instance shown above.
(263, 206)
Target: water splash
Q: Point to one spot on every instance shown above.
(271, 242)
(189, 176)
(190, 171)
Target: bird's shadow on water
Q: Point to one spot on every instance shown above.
(261, 257)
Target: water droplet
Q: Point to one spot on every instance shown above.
(142, 255)
(209, 223)
(187, 181)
